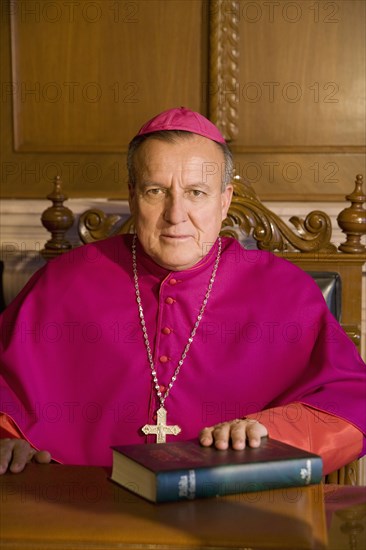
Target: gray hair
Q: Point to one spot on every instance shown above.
(172, 136)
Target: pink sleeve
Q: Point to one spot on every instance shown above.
(334, 439)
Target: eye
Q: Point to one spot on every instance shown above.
(154, 191)
(196, 192)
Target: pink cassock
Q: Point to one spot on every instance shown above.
(75, 373)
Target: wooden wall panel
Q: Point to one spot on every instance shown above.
(292, 100)
(305, 85)
(284, 80)
(303, 175)
(83, 78)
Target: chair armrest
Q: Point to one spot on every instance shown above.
(354, 333)
(347, 475)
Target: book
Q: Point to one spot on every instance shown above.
(185, 470)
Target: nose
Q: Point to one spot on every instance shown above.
(175, 210)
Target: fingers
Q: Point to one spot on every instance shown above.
(42, 457)
(16, 453)
(254, 432)
(239, 432)
(5, 454)
(206, 437)
(221, 436)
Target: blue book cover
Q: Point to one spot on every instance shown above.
(185, 470)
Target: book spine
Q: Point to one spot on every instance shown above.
(227, 480)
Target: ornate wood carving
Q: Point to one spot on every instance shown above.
(352, 220)
(57, 219)
(247, 215)
(224, 66)
(95, 225)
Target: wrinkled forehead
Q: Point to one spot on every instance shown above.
(197, 158)
(193, 170)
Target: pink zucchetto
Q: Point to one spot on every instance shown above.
(182, 119)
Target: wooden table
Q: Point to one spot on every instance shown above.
(72, 507)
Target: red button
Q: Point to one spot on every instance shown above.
(173, 281)
(163, 359)
(169, 300)
(162, 388)
(166, 330)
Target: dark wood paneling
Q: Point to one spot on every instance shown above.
(291, 96)
(290, 174)
(83, 78)
(285, 81)
(303, 84)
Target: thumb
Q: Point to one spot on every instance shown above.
(42, 457)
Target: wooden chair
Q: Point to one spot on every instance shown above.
(308, 245)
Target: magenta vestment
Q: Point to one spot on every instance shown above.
(75, 374)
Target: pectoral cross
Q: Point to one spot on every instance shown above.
(160, 429)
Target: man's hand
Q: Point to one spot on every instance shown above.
(237, 431)
(16, 453)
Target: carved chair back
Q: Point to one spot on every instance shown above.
(307, 245)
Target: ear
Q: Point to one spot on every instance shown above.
(226, 197)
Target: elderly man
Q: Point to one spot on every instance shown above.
(157, 335)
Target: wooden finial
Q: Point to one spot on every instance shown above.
(352, 220)
(57, 219)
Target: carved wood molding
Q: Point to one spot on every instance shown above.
(224, 66)
(249, 217)
(352, 220)
(94, 225)
(57, 219)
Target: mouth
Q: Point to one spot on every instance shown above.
(175, 237)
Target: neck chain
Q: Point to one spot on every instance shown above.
(161, 429)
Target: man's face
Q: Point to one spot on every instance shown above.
(177, 200)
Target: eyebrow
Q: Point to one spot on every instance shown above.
(198, 184)
(145, 184)
(148, 183)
